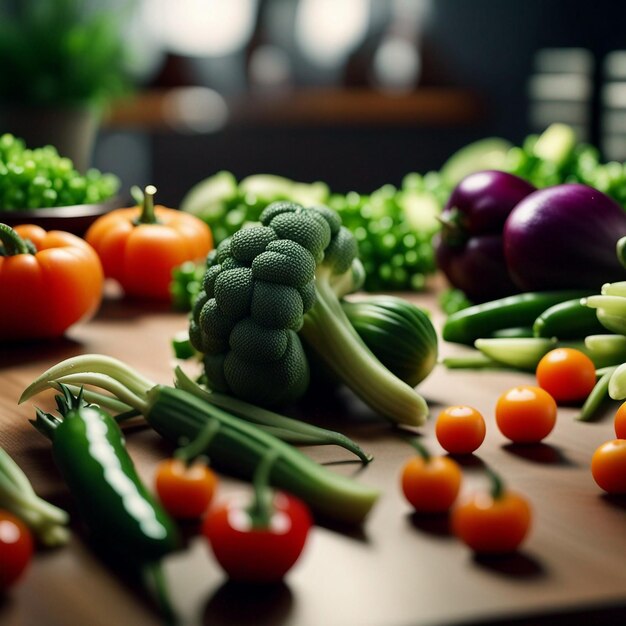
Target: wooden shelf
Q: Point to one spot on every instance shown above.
(153, 110)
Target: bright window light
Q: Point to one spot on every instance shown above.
(328, 30)
(202, 28)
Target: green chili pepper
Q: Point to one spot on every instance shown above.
(482, 320)
(88, 448)
(568, 320)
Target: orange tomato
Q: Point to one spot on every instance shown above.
(46, 289)
(460, 429)
(140, 246)
(491, 525)
(431, 485)
(526, 414)
(608, 466)
(620, 422)
(185, 491)
(568, 375)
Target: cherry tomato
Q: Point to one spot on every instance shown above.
(250, 554)
(185, 491)
(431, 485)
(620, 422)
(608, 466)
(491, 525)
(526, 414)
(16, 549)
(460, 429)
(568, 375)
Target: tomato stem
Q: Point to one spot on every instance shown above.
(13, 244)
(497, 484)
(421, 449)
(147, 215)
(261, 509)
(199, 445)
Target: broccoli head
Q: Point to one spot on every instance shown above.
(271, 284)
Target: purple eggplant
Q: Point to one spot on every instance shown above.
(469, 248)
(564, 237)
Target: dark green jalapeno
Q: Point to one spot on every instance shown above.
(88, 448)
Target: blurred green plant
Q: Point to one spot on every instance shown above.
(60, 52)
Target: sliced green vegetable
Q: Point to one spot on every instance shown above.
(606, 350)
(611, 311)
(521, 353)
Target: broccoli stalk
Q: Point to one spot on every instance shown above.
(328, 331)
(267, 285)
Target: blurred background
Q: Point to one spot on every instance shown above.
(356, 93)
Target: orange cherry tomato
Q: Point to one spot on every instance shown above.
(460, 429)
(620, 422)
(568, 375)
(139, 247)
(16, 549)
(491, 525)
(608, 466)
(526, 414)
(431, 485)
(46, 288)
(185, 491)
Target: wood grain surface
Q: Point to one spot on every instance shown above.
(397, 570)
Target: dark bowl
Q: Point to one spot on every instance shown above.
(73, 219)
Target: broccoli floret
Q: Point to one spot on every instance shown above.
(272, 285)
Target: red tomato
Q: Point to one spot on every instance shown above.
(16, 549)
(250, 554)
(491, 525)
(620, 422)
(431, 486)
(185, 491)
(608, 466)
(460, 429)
(45, 293)
(568, 375)
(526, 414)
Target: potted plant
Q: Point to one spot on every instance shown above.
(62, 61)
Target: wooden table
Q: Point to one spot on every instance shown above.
(397, 570)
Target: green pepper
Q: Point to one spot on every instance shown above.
(89, 450)
(483, 320)
(568, 320)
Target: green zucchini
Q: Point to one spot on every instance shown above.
(399, 334)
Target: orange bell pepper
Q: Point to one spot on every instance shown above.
(140, 246)
(48, 281)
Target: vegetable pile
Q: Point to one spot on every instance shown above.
(41, 178)
(395, 226)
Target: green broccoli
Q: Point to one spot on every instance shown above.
(271, 284)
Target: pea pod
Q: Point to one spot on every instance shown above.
(483, 320)
(568, 320)
(88, 448)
